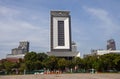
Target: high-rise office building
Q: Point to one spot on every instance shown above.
(22, 48)
(111, 44)
(18, 52)
(60, 34)
(60, 31)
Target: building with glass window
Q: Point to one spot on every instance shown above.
(18, 52)
(111, 44)
(60, 35)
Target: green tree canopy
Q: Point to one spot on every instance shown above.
(31, 56)
(62, 63)
(51, 62)
(41, 56)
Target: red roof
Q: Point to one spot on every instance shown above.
(13, 59)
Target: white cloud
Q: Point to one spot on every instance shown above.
(105, 20)
(8, 13)
(14, 28)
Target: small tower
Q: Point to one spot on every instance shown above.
(111, 44)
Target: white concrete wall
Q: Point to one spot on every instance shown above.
(15, 56)
(102, 52)
(66, 33)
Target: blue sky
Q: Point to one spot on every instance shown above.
(93, 23)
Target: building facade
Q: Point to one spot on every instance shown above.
(22, 48)
(19, 52)
(111, 44)
(60, 31)
(60, 34)
(102, 52)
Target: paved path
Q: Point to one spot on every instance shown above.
(64, 76)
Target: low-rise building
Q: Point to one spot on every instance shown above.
(102, 52)
(19, 52)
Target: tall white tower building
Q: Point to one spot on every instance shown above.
(60, 34)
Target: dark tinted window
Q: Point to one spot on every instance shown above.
(60, 33)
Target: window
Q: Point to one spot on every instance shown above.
(60, 33)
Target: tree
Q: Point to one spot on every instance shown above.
(30, 59)
(1, 66)
(22, 67)
(30, 65)
(88, 62)
(108, 61)
(31, 56)
(91, 62)
(41, 56)
(9, 66)
(51, 63)
(38, 65)
(77, 61)
(62, 63)
(117, 62)
(70, 64)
